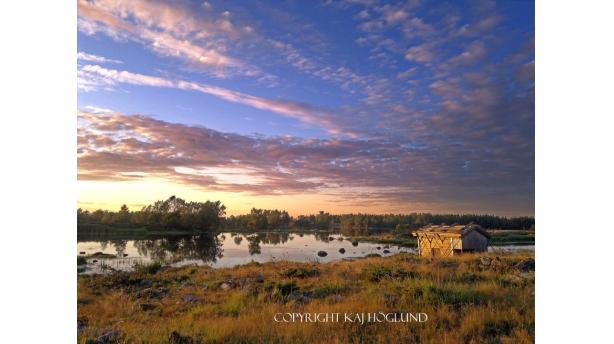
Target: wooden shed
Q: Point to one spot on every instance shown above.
(447, 241)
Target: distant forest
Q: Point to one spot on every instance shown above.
(178, 214)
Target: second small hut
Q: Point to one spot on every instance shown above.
(447, 241)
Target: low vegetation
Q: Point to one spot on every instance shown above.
(469, 299)
(498, 238)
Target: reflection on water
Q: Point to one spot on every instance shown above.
(229, 249)
(225, 249)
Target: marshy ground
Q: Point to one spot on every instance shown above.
(485, 298)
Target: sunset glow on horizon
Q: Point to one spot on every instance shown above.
(340, 106)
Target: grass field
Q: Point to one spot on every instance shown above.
(468, 299)
(498, 238)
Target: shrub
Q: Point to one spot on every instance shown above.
(301, 272)
(378, 273)
(148, 268)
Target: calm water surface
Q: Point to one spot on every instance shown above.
(227, 249)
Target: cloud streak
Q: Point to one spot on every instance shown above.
(169, 30)
(93, 76)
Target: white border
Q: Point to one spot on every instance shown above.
(574, 171)
(38, 171)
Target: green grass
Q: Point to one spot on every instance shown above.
(466, 301)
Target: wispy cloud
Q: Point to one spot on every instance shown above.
(170, 30)
(92, 76)
(83, 56)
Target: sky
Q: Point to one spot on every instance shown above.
(343, 106)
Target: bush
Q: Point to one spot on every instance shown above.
(378, 273)
(148, 268)
(301, 272)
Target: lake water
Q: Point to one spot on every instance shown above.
(227, 249)
(230, 249)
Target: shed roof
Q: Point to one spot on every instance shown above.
(452, 231)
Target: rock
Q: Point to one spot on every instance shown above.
(526, 265)
(107, 337)
(190, 298)
(354, 243)
(82, 252)
(145, 283)
(298, 297)
(177, 338)
(227, 285)
(102, 255)
(152, 293)
(125, 254)
(322, 254)
(95, 261)
(342, 250)
(379, 247)
(81, 324)
(331, 238)
(386, 251)
(260, 278)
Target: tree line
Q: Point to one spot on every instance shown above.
(171, 214)
(178, 214)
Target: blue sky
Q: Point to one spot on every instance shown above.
(355, 105)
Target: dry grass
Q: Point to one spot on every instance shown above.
(466, 302)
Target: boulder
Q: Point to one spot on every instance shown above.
(386, 251)
(177, 338)
(227, 285)
(322, 254)
(354, 243)
(298, 297)
(81, 324)
(107, 337)
(526, 265)
(190, 298)
(342, 250)
(379, 247)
